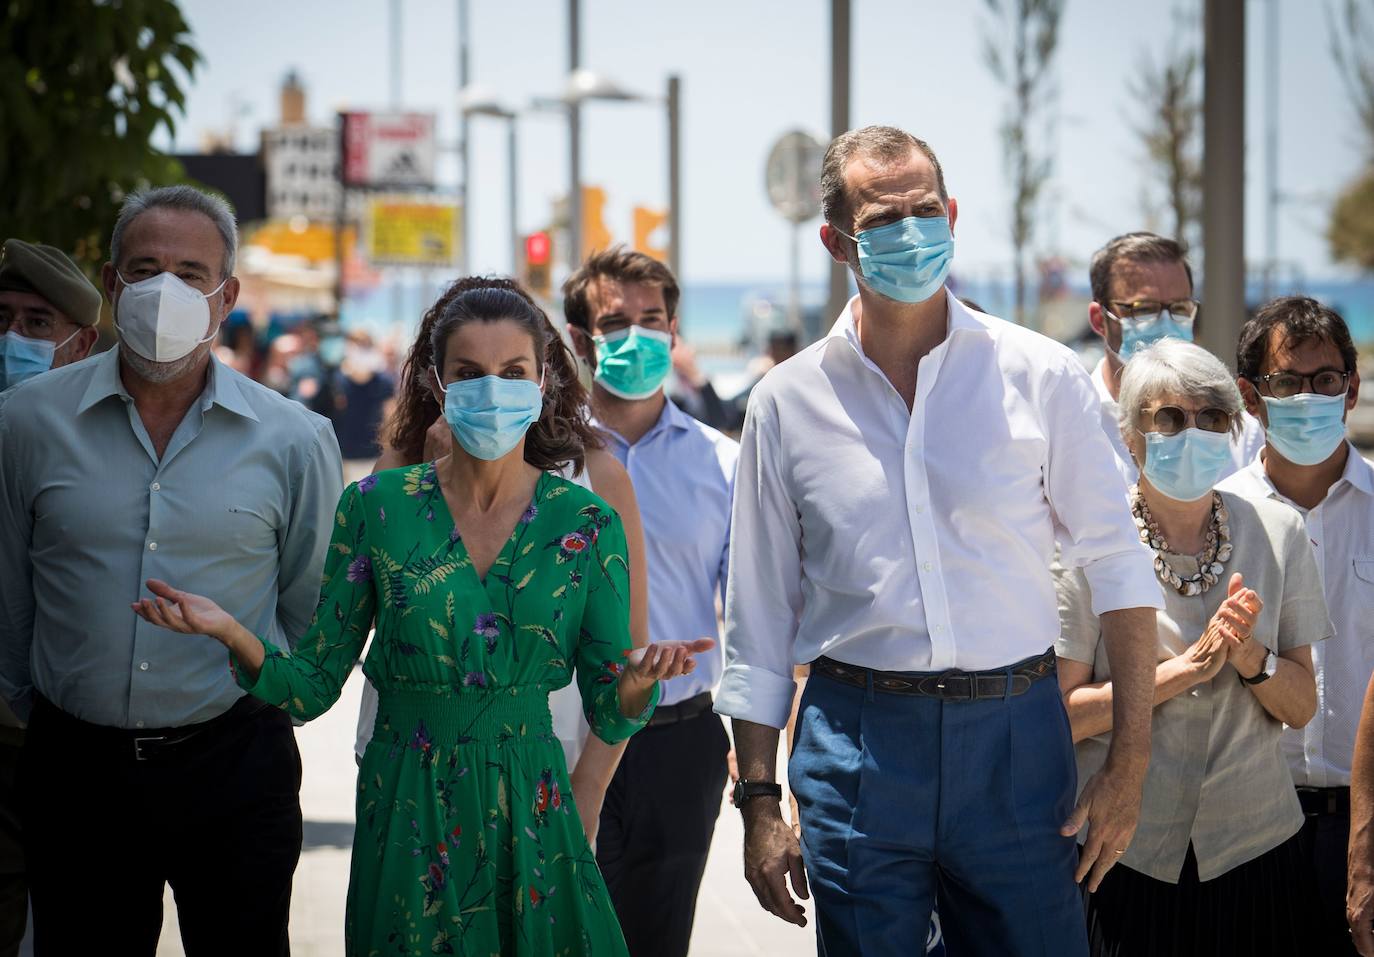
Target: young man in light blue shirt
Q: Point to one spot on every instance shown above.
(660, 809)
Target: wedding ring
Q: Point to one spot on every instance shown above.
(1119, 853)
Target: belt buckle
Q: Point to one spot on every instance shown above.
(140, 742)
(955, 672)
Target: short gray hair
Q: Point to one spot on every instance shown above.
(1173, 366)
(886, 144)
(186, 198)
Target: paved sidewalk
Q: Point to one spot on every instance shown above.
(729, 922)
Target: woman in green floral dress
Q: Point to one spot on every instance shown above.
(490, 582)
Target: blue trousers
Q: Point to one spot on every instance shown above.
(907, 800)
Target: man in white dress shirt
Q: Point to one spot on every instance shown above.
(1142, 287)
(1299, 374)
(901, 487)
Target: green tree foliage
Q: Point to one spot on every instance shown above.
(1350, 232)
(1019, 41)
(84, 87)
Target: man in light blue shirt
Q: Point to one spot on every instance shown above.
(154, 460)
(660, 809)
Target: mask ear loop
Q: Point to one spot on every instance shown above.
(437, 381)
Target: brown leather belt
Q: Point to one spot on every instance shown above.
(951, 685)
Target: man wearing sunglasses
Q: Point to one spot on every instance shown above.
(1298, 375)
(1142, 289)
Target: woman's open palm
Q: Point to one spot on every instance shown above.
(182, 611)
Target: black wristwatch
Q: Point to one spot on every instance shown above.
(1271, 664)
(744, 790)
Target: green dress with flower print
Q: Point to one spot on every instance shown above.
(467, 839)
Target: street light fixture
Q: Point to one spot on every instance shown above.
(583, 85)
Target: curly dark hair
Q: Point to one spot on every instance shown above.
(561, 435)
(1301, 320)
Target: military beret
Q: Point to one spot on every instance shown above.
(48, 272)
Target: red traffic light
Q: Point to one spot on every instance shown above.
(537, 248)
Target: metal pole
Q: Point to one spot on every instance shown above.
(794, 316)
(1223, 176)
(839, 122)
(466, 173)
(1271, 148)
(574, 141)
(513, 194)
(340, 211)
(395, 54)
(675, 175)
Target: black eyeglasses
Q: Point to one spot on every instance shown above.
(1171, 420)
(1285, 383)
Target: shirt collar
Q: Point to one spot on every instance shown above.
(958, 317)
(222, 389)
(1358, 472)
(670, 418)
(1100, 382)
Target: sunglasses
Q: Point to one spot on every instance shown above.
(1171, 420)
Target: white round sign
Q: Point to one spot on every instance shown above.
(793, 175)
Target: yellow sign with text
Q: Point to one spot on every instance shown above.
(405, 232)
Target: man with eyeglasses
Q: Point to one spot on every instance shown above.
(1142, 288)
(1298, 374)
(48, 311)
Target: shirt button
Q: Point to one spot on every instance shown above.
(138, 724)
(156, 486)
(920, 509)
(927, 566)
(152, 546)
(143, 666)
(939, 628)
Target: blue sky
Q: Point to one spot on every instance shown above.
(753, 69)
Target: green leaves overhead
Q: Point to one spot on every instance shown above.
(85, 87)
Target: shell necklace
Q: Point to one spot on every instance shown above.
(1211, 560)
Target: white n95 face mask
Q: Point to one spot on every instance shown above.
(162, 318)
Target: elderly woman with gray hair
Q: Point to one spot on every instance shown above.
(1213, 867)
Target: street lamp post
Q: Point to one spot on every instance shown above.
(478, 102)
(584, 85)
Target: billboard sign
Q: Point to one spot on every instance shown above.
(406, 231)
(388, 149)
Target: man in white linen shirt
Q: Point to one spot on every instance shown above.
(1296, 354)
(1142, 288)
(900, 489)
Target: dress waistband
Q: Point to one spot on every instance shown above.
(459, 716)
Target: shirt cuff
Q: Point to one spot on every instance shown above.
(757, 695)
(1124, 580)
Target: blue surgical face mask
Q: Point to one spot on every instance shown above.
(23, 358)
(907, 260)
(1305, 429)
(632, 363)
(1186, 466)
(490, 415)
(1137, 335)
